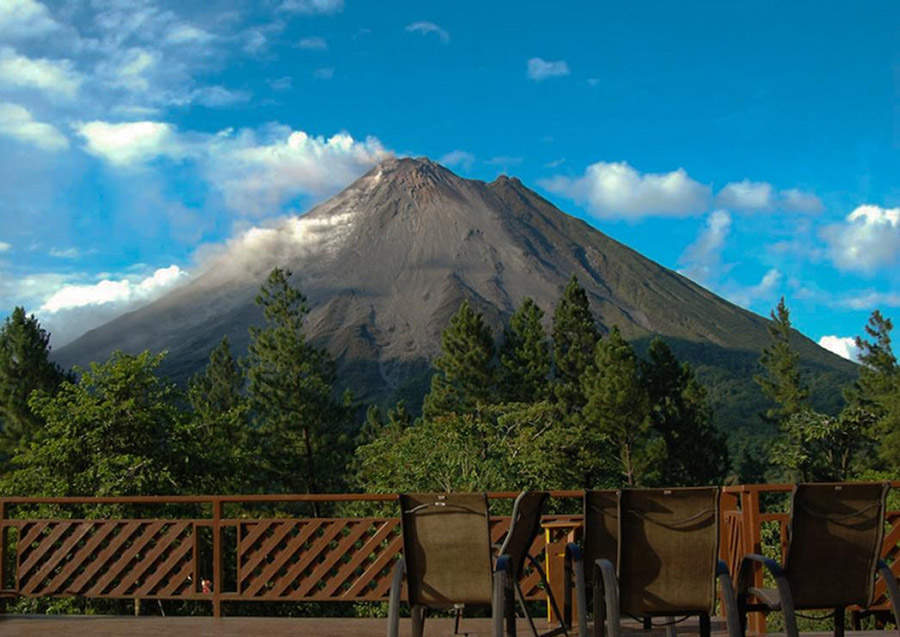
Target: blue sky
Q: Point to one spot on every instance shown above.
(754, 146)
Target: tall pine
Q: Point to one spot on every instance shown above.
(680, 413)
(302, 426)
(525, 356)
(25, 366)
(465, 376)
(575, 336)
(618, 409)
(781, 380)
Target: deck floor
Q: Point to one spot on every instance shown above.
(107, 626)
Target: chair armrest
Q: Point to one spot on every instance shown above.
(729, 602)
(394, 603)
(781, 584)
(893, 589)
(575, 570)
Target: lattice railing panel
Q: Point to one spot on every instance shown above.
(106, 558)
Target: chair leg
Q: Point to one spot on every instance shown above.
(521, 599)
(733, 616)
(418, 620)
(893, 590)
(394, 603)
(839, 622)
(670, 627)
(575, 562)
(611, 593)
(551, 599)
(705, 625)
(457, 615)
(648, 622)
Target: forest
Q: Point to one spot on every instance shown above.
(572, 408)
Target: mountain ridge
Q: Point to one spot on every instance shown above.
(386, 262)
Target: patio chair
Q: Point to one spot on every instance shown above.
(666, 561)
(832, 556)
(447, 560)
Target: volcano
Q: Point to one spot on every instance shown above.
(387, 261)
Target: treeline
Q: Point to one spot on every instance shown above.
(570, 409)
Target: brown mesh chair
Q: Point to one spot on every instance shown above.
(667, 561)
(447, 559)
(832, 556)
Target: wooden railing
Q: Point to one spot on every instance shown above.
(223, 551)
(746, 509)
(215, 558)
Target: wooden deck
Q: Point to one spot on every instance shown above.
(107, 626)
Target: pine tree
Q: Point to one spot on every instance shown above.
(618, 407)
(465, 376)
(878, 366)
(221, 430)
(302, 427)
(680, 413)
(781, 380)
(575, 336)
(25, 366)
(525, 356)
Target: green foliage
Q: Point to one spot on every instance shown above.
(781, 379)
(822, 448)
(465, 380)
(220, 430)
(618, 407)
(25, 367)
(525, 356)
(303, 428)
(575, 337)
(680, 413)
(117, 431)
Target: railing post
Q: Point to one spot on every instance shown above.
(217, 557)
(752, 533)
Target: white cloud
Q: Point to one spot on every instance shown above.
(281, 83)
(182, 33)
(5, 247)
(702, 259)
(759, 196)
(425, 28)
(74, 308)
(540, 69)
(312, 7)
(870, 300)
(216, 96)
(52, 76)
(868, 239)
(746, 195)
(18, 123)
(458, 158)
(313, 43)
(259, 175)
(131, 143)
(762, 291)
(20, 19)
(112, 291)
(843, 346)
(795, 200)
(616, 190)
(325, 73)
(65, 253)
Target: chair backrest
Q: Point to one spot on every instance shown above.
(524, 525)
(668, 550)
(836, 531)
(601, 528)
(447, 548)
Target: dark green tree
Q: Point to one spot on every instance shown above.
(465, 376)
(575, 336)
(525, 356)
(25, 366)
(618, 409)
(220, 424)
(781, 380)
(878, 365)
(117, 431)
(303, 428)
(680, 413)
